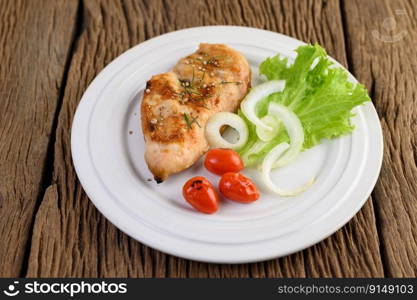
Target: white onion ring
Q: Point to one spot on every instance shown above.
(294, 129)
(256, 94)
(267, 164)
(283, 153)
(268, 135)
(220, 119)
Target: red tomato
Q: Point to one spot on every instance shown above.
(237, 187)
(220, 161)
(200, 193)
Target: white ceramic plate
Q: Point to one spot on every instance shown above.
(108, 148)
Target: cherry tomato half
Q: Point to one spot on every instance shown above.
(220, 161)
(237, 187)
(200, 193)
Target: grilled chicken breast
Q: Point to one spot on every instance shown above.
(176, 105)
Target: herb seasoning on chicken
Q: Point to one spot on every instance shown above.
(177, 105)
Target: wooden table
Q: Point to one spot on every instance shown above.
(52, 49)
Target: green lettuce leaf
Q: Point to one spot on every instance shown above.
(319, 93)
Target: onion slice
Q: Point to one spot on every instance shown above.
(267, 164)
(283, 153)
(267, 135)
(256, 94)
(217, 121)
(294, 129)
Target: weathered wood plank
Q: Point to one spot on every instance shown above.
(35, 40)
(381, 38)
(88, 244)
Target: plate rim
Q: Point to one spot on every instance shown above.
(80, 168)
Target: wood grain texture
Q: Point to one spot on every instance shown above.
(80, 242)
(384, 57)
(35, 39)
